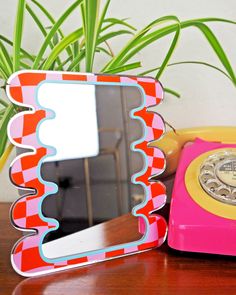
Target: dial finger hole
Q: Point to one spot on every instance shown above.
(212, 185)
(214, 160)
(223, 192)
(208, 167)
(234, 194)
(206, 175)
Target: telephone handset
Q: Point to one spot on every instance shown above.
(203, 205)
(172, 142)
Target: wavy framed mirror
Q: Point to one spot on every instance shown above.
(85, 168)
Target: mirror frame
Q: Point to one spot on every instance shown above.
(26, 212)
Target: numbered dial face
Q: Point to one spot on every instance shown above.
(218, 176)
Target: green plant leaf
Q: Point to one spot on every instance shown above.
(142, 40)
(23, 52)
(18, 31)
(5, 155)
(25, 65)
(82, 10)
(55, 39)
(101, 49)
(64, 43)
(207, 20)
(102, 18)
(61, 66)
(52, 32)
(136, 41)
(171, 91)
(112, 34)
(3, 72)
(214, 43)
(187, 62)
(76, 51)
(76, 60)
(5, 59)
(36, 20)
(10, 111)
(91, 23)
(41, 28)
(2, 112)
(115, 21)
(171, 49)
(52, 21)
(3, 102)
(216, 46)
(124, 68)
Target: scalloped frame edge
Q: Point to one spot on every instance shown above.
(26, 215)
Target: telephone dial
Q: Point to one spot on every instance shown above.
(203, 204)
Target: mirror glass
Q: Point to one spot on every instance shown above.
(79, 119)
(92, 131)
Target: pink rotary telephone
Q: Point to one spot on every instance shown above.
(203, 205)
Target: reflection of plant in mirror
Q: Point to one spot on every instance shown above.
(77, 50)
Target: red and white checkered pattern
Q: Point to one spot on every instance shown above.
(26, 211)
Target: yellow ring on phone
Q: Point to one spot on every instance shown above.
(197, 193)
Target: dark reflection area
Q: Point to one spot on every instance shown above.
(98, 189)
(164, 211)
(168, 181)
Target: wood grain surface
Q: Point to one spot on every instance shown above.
(160, 271)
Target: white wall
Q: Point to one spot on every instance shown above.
(208, 98)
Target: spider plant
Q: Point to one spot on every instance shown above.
(77, 51)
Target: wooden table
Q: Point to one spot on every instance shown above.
(160, 271)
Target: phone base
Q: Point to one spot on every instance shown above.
(211, 240)
(192, 227)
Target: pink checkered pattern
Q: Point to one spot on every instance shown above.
(26, 258)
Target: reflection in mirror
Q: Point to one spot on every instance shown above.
(92, 132)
